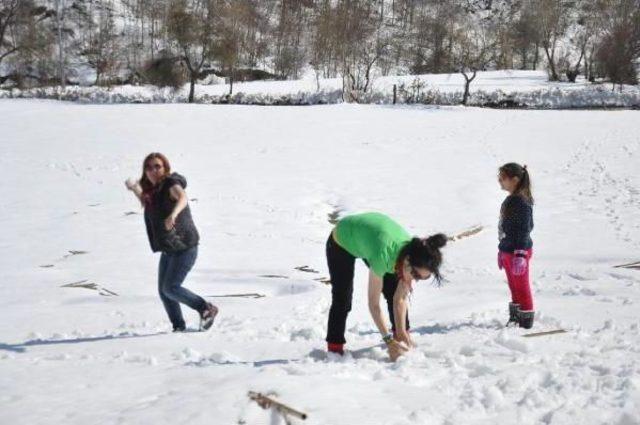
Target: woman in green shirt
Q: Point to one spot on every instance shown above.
(386, 248)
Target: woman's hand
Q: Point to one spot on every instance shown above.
(134, 186)
(405, 337)
(131, 184)
(395, 350)
(170, 222)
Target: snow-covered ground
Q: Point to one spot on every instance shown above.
(509, 80)
(263, 182)
(523, 89)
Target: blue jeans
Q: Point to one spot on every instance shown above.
(172, 271)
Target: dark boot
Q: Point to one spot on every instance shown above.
(526, 319)
(514, 315)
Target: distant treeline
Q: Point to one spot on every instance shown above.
(171, 42)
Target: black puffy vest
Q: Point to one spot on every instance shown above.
(184, 235)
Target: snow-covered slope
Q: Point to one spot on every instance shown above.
(262, 183)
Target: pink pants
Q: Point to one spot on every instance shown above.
(518, 285)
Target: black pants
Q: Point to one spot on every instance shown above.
(341, 268)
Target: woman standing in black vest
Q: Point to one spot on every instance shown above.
(171, 231)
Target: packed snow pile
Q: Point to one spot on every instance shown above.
(84, 338)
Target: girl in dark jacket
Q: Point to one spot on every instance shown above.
(515, 248)
(171, 231)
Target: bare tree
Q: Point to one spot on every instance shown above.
(526, 36)
(552, 21)
(323, 43)
(238, 38)
(9, 17)
(256, 32)
(585, 28)
(103, 50)
(434, 37)
(359, 44)
(290, 52)
(473, 47)
(355, 39)
(620, 46)
(60, 15)
(25, 40)
(227, 49)
(190, 24)
(18, 21)
(156, 11)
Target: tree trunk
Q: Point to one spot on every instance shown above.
(142, 13)
(552, 65)
(368, 74)
(59, 23)
(467, 83)
(152, 36)
(587, 76)
(465, 97)
(192, 86)
(523, 55)
(573, 74)
(589, 64)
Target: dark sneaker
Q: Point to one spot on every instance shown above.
(179, 329)
(208, 316)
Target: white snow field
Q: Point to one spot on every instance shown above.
(262, 183)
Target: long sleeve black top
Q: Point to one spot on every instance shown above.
(516, 224)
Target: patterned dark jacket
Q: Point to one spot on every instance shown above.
(516, 224)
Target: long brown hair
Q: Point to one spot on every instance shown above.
(145, 183)
(523, 189)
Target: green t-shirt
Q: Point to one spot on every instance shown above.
(373, 237)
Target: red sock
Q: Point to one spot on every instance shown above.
(332, 347)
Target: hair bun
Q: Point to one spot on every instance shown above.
(437, 241)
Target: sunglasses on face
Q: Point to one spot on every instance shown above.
(417, 276)
(151, 167)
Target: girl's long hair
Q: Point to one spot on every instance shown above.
(145, 183)
(523, 189)
(424, 253)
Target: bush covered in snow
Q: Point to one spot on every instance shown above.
(595, 96)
